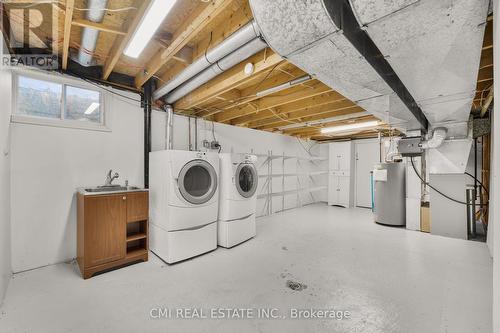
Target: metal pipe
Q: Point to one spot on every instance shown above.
(147, 104)
(423, 172)
(475, 168)
(379, 148)
(436, 140)
(471, 213)
(246, 51)
(196, 134)
(239, 38)
(190, 146)
(169, 128)
(89, 36)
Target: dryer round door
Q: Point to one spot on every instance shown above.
(197, 182)
(246, 180)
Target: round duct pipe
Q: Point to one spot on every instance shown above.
(244, 52)
(238, 39)
(437, 139)
(95, 13)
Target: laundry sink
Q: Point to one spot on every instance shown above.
(118, 188)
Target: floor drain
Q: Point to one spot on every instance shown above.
(297, 286)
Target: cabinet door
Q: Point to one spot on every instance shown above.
(333, 189)
(344, 153)
(137, 206)
(105, 229)
(340, 156)
(344, 191)
(332, 157)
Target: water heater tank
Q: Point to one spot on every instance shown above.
(390, 194)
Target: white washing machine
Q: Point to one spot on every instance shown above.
(183, 201)
(238, 199)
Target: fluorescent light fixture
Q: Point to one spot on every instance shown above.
(349, 127)
(284, 86)
(92, 107)
(155, 14)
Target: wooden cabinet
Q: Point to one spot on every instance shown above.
(112, 230)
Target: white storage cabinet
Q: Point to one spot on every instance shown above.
(340, 175)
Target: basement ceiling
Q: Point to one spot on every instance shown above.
(192, 28)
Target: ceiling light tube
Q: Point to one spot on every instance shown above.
(326, 120)
(284, 86)
(349, 127)
(155, 14)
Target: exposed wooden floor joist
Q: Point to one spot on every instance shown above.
(194, 27)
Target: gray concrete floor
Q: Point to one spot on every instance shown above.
(389, 279)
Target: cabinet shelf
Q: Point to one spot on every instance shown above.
(136, 251)
(135, 237)
(300, 190)
(279, 175)
(288, 157)
(140, 221)
(317, 173)
(316, 189)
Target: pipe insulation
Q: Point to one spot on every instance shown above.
(235, 41)
(254, 46)
(89, 36)
(437, 139)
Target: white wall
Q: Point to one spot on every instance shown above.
(495, 179)
(244, 140)
(5, 254)
(49, 163)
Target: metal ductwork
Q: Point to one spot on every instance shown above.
(89, 36)
(440, 65)
(406, 62)
(240, 45)
(437, 139)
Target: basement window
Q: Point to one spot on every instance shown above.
(51, 101)
(39, 98)
(82, 104)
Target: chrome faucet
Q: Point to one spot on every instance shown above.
(109, 178)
